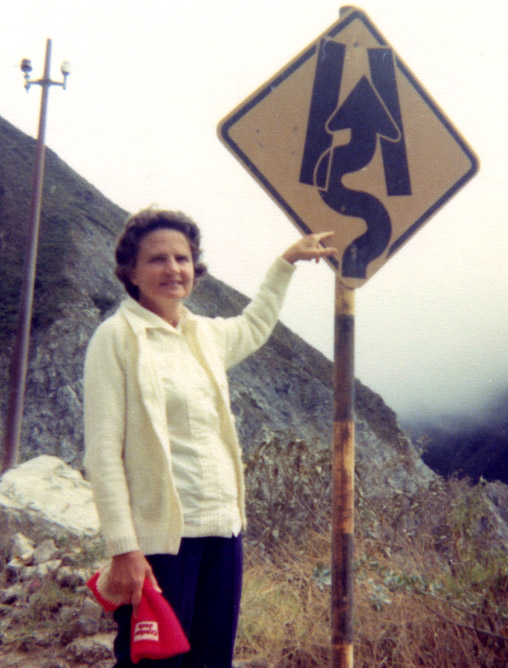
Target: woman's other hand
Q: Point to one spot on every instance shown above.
(310, 247)
(128, 572)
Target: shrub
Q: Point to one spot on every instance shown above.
(431, 585)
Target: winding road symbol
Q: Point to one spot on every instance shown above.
(367, 115)
(350, 158)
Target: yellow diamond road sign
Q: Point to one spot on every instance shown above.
(345, 138)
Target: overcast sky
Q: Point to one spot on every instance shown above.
(152, 79)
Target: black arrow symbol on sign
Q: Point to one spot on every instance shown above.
(365, 114)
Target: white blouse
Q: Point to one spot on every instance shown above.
(203, 466)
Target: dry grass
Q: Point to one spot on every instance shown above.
(285, 620)
(434, 595)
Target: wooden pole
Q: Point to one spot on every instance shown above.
(343, 464)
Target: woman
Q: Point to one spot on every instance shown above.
(161, 450)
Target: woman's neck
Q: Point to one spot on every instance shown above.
(170, 311)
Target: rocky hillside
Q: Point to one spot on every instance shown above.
(284, 389)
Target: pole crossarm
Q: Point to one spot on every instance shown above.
(45, 82)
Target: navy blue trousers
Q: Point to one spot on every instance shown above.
(203, 584)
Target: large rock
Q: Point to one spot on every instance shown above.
(45, 497)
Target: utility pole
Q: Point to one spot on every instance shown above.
(22, 341)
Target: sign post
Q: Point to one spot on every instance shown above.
(345, 138)
(343, 478)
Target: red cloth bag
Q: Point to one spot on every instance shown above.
(156, 632)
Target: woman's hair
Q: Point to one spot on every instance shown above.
(141, 224)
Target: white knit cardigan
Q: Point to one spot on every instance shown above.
(127, 444)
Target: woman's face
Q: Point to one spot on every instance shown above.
(164, 270)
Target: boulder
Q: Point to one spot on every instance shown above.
(45, 498)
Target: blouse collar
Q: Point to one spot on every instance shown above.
(141, 318)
